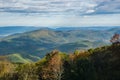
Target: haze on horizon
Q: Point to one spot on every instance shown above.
(60, 13)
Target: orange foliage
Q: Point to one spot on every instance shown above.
(54, 69)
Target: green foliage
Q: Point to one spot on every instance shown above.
(40, 42)
(17, 58)
(81, 69)
(27, 72)
(95, 64)
(6, 70)
(77, 52)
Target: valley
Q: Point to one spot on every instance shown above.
(39, 42)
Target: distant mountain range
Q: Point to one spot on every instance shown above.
(9, 30)
(37, 42)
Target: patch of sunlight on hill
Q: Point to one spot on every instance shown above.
(16, 58)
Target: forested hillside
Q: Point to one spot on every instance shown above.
(102, 63)
(33, 45)
(39, 42)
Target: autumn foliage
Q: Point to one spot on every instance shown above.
(94, 64)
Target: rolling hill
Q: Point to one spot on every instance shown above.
(40, 42)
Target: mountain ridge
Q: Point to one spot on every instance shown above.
(39, 42)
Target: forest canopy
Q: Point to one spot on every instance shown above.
(101, 63)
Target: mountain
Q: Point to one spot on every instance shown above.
(95, 28)
(9, 30)
(39, 42)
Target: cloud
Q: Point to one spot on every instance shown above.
(90, 11)
(107, 6)
(58, 7)
(64, 7)
(60, 12)
(59, 21)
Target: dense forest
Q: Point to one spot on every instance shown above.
(44, 40)
(102, 63)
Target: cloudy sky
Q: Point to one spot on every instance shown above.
(59, 13)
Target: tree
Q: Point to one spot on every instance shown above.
(6, 69)
(115, 38)
(27, 72)
(54, 69)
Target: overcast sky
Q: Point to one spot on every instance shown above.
(60, 13)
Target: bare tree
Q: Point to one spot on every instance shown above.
(115, 38)
(54, 69)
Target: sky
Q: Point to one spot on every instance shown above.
(60, 13)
